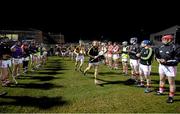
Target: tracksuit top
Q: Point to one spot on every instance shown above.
(169, 52)
(93, 51)
(134, 49)
(146, 56)
(5, 49)
(18, 52)
(124, 54)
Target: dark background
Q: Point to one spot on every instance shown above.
(117, 21)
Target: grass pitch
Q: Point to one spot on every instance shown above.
(59, 88)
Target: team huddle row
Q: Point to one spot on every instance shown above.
(140, 58)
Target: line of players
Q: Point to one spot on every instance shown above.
(139, 57)
(19, 57)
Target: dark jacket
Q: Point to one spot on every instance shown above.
(170, 53)
(93, 51)
(133, 50)
(146, 56)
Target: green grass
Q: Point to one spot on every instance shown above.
(58, 88)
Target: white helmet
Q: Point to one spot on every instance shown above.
(133, 40)
(125, 43)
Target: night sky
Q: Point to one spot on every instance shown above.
(92, 20)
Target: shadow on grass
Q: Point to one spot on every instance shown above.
(106, 82)
(177, 82)
(54, 65)
(40, 102)
(105, 73)
(49, 73)
(157, 81)
(40, 78)
(54, 69)
(154, 74)
(176, 100)
(166, 91)
(109, 73)
(43, 86)
(54, 62)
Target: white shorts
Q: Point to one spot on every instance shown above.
(39, 57)
(124, 60)
(6, 63)
(63, 53)
(134, 64)
(44, 53)
(71, 53)
(56, 53)
(17, 61)
(94, 64)
(26, 59)
(80, 58)
(34, 57)
(116, 56)
(105, 55)
(170, 71)
(144, 69)
(31, 56)
(109, 55)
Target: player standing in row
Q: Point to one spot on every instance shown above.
(134, 60)
(110, 54)
(168, 57)
(146, 56)
(115, 51)
(125, 57)
(17, 58)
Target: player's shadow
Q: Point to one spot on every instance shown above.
(42, 86)
(177, 82)
(54, 62)
(40, 78)
(106, 82)
(43, 102)
(154, 74)
(54, 69)
(176, 100)
(105, 73)
(54, 65)
(109, 73)
(48, 72)
(166, 91)
(178, 89)
(155, 81)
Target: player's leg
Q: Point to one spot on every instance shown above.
(171, 79)
(162, 77)
(81, 63)
(147, 71)
(141, 75)
(77, 61)
(88, 68)
(95, 74)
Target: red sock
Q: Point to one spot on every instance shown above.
(161, 89)
(171, 94)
